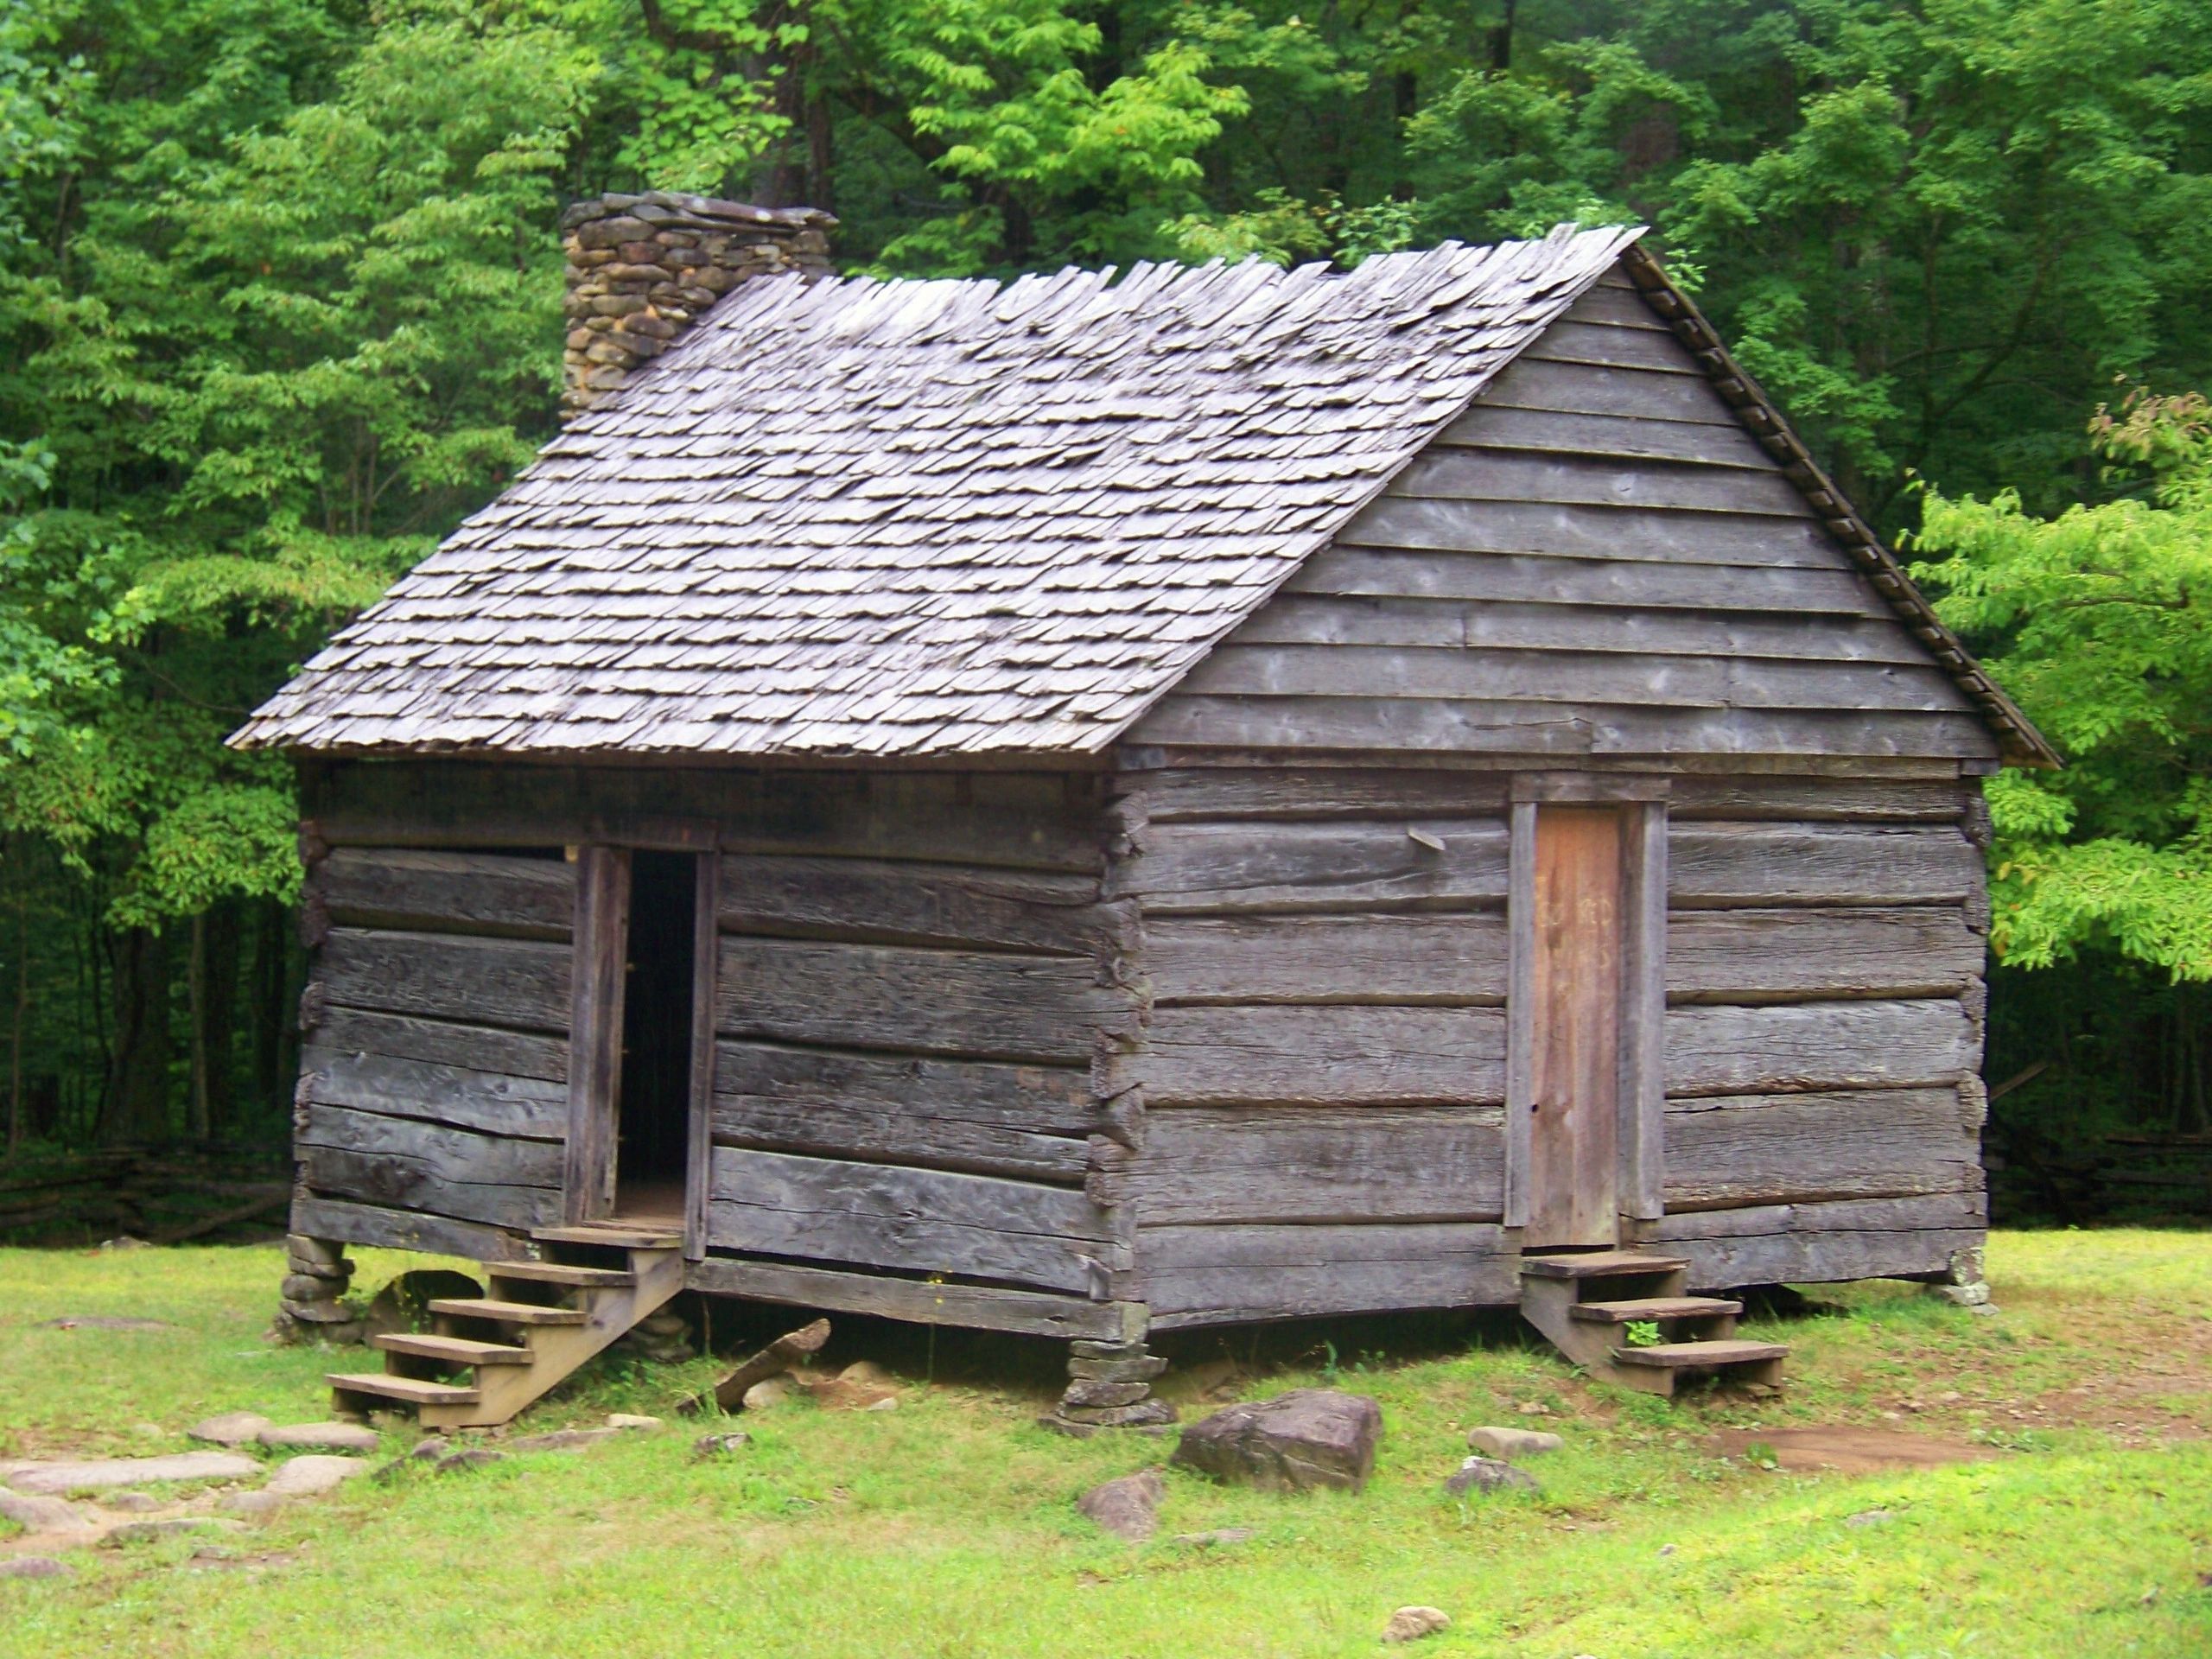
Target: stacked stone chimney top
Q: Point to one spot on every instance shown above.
(641, 268)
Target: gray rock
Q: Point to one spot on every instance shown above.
(1084, 1391)
(769, 1393)
(1512, 1442)
(430, 1448)
(132, 1503)
(58, 1477)
(1129, 1506)
(1489, 1475)
(313, 1475)
(320, 1437)
(41, 1513)
(560, 1440)
(261, 1503)
(632, 1420)
(474, 1457)
(1869, 1518)
(1215, 1538)
(1304, 1439)
(1411, 1623)
(717, 1445)
(32, 1566)
(231, 1428)
(147, 1532)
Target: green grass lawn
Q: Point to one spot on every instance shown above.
(947, 1526)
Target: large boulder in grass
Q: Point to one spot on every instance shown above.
(1308, 1438)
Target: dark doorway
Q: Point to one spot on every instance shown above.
(655, 1095)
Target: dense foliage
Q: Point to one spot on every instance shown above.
(277, 304)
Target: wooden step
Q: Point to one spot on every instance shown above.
(471, 1307)
(1701, 1356)
(413, 1390)
(1654, 1308)
(1600, 1264)
(560, 1272)
(455, 1350)
(613, 1235)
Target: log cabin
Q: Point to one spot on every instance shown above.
(1108, 803)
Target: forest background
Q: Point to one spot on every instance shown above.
(279, 304)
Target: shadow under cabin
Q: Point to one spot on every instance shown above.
(1091, 807)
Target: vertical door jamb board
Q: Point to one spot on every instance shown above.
(1644, 1016)
(706, 959)
(1520, 1008)
(597, 984)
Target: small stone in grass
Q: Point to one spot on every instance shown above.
(1489, 1475)
(1128, 1507)
(769, 1392)
(562, 1439)
(231, 1428)
(631, 1420)
(1411, 1623)
(1512, 1442)
(42, 1513)
(1869, 1518)
(430, 1448)
(474, 1457)
(1218, 1535)
(1533, 1408)
(143, 1532)
(32, 1566)
(261, 1503)
(715, 1446)
(132, 1503)
(313, 1475)
(320, 1437)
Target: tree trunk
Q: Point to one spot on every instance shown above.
(218, 1013)
(196, 985)
(138, 1076)
(271, 1017)
(16, 1029)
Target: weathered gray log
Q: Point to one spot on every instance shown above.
(521, 983)
(981, 1307)
(892, 1134)
(1612, 301)
(931, 1221)
(1908, 951)
(1514, 476)
(1566, 531)
(1727, 864)
(776, 1358)
(1445, 959)
(997, 1005)
(495, 1102)
(1053, 1100)
(1845, 799)
(400, 1229)
(451, 892)
(1533, 383)
(1387, 571)
(485, 1049)
(1234, 1275)
(1583, 338)
(908, 902)
(1354, 1164)
(1734, 1150)
(1199, 866)
(1811, 1243)
(394, 1182)
(1348, 1055)
(1722, 1049)
(451, 1154)
(1624, 437)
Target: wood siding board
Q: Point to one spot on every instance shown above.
(1815, 798)
(1380, 725)
(1625, 437)
(1908, 951)
(1179, 794)
(1358, 1164)
(1730, 1050)
(1644, 1013)
(908, 901)
(706, 968)
(1521, 1014)
(1734, 1150)
(996, 1005)
(892, 1134)
(1593, 340)
(346, 1222)
(518, 983)
(496, 1102)
(459, 1156)
(1580, 388)
(785, 1204)
(484, 1050)
(602, 936)
(1033, 1099)
(1578, 678)
(479, 893)
(395, 1182)
(1448, 959)
(1712, 502)
(976, 1307)
(1199, 1276)
(1331, 619)
(1322, 1056)
(1418, 571)
(1717, 865)
(1431, 522)
(1187, 867)
(1811, 1243)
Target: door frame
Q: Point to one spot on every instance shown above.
(598, 987)
(1641, 1179)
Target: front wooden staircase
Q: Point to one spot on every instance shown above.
(485, 1358)
(1586, 1301)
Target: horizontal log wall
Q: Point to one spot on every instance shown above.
(1324, 1071)
(1596, 560)
(433, 1093)
(919, 1028)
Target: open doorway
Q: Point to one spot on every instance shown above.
(654, 1122)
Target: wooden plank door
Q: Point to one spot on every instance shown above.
(1576, 948)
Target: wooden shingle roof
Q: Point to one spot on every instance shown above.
(927, 518)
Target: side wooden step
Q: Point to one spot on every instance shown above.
(1655, 1307)
(472, 1308)
(561, 1272)
(453, 1351)
(1600, 1264)
(1702, 1356)
(413, 1390)
(613, 1235)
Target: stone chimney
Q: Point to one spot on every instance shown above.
(640, 268)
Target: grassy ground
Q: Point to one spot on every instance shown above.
(946, 1527)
